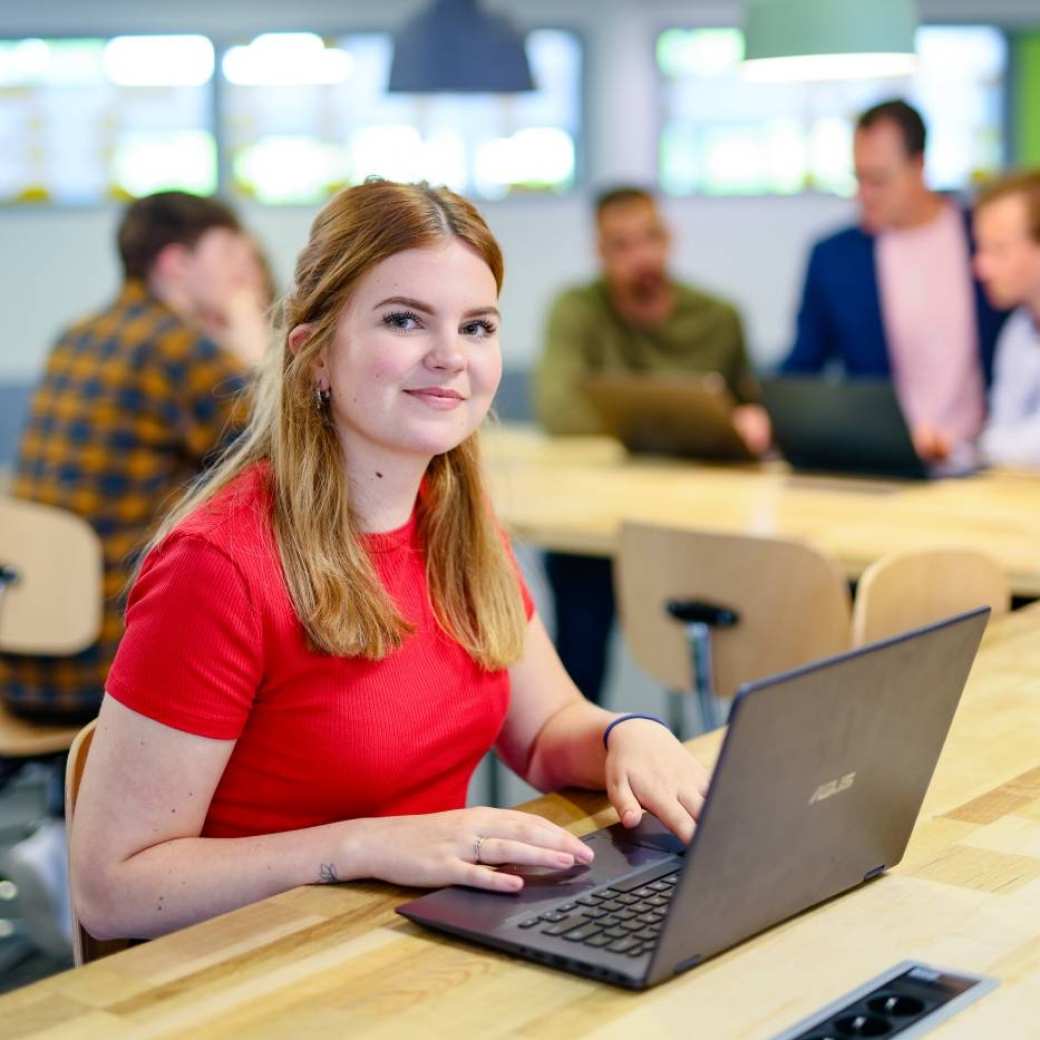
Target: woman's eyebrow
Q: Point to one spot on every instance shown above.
(426, 308)
(405, 301)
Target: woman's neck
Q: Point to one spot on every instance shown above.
(383, 488)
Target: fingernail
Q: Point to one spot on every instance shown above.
(565, 859)
(586, 854)
(631, 818)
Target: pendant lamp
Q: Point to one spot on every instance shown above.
(453, 46)
(829, 39)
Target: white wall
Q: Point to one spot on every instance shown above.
(57, 263)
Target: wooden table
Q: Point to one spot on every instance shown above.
(337, 962)
(571, 494)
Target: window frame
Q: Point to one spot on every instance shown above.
(1007, 104)
(108, 204)
(222, 42)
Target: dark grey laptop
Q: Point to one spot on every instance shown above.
(817, 788)
(685, 415)
(852, 426)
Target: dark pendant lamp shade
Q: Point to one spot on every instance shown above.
(455, 47)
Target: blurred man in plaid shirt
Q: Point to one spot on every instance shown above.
(133, 401)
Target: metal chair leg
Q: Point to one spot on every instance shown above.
(699, 636)
(494, 781)
(677, 713)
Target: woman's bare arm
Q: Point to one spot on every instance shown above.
(140, 868)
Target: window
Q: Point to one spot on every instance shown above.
(304, 116)
(82, 120)
(726, 135)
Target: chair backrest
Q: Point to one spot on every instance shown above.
(24, 739)
(85, 947)
(793, 602)
(53, 606)
(908, 589)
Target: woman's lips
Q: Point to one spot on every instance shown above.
(438, 397)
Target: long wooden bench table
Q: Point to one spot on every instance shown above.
(336, 961)
(571, 494)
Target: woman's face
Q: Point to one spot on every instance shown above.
(415, 360)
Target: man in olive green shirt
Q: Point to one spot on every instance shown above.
(635, 318)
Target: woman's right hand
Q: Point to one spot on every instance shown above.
(437, 849)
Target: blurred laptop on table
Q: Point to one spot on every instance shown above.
(854, 426)
(688, 416)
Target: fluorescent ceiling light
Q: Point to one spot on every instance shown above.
(158, 61)
(286, 60)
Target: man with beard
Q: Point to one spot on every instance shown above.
(633, 318)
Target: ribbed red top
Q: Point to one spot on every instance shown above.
(214, 647)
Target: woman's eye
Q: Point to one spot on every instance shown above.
(479, 328)
(405, 320)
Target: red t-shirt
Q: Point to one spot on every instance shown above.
(213, 647)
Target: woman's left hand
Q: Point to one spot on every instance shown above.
(647, 768)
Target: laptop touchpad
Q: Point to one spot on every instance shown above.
(617, 854)
(651, 833)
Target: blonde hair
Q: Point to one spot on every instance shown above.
(1025, 183)
(332, 582)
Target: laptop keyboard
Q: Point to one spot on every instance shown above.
(618, 918)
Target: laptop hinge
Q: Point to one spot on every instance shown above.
(876, 872)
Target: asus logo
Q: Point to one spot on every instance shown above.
(832, 787)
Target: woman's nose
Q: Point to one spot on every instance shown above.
(448, 352)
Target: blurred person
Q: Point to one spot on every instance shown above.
(635, 317)
(133, 401)
(895, 297)
(244, 319)
(1007, 229)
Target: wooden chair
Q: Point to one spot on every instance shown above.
(50, 603)
(790, 605)
(85, 947)
(908, 589)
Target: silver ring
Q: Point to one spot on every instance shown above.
(477, 842)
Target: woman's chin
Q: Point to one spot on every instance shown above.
(434, 442)
(435, 438)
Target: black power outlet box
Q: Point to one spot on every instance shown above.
(907, 1001)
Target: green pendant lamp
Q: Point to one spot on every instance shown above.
(829, 39)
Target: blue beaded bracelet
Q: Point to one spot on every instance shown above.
(633, 715)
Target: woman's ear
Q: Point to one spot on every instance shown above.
(299, 335)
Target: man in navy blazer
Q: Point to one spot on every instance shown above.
(846, 317)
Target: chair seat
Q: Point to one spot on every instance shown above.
(20, 738)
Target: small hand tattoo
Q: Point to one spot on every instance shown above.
(327, 874)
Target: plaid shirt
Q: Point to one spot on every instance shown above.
(132, 402)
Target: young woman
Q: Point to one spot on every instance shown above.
(330, 632)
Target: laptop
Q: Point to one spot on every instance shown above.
(684, 415)
(818, 785)
(853, 426)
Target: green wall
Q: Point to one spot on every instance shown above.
(1025, 113)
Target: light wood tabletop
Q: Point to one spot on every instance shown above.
(571, 494)
(336, 961)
